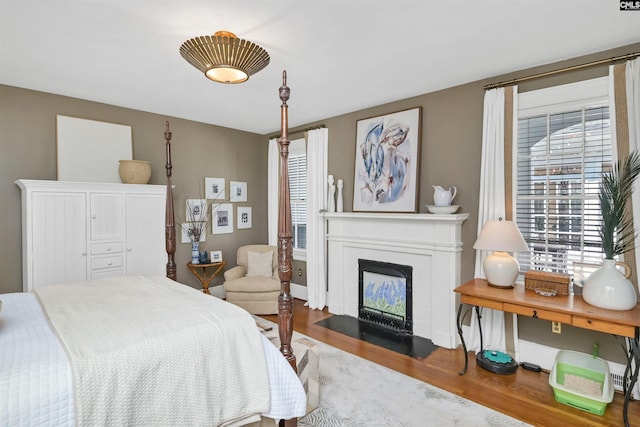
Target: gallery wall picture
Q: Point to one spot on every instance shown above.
(90, 151)
(386, 162)
(197, 210)
(214, 188)
(187, 233)
(244, 217)
(238, 191)
(222, 219)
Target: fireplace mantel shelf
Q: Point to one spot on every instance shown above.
(456, 218)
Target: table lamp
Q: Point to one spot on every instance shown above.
(501, 237)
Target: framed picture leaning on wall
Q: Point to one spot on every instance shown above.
(386, 162)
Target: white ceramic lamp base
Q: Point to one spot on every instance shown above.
(501, 270)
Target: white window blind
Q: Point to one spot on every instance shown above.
(297, 168)
(560, 157)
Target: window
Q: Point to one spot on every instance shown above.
(563, 146)
(298, 192)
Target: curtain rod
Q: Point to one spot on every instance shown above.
(561, 70)
(301, 130)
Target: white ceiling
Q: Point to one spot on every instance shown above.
(340, 55)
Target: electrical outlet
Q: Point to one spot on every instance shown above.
(556, 327)
(299, 272)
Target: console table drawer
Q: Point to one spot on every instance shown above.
(603, 326)
(481, 302)
(538, 313)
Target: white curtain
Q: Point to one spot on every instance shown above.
(491, 207)
(632, 77)
(273, 190)
(317, 153)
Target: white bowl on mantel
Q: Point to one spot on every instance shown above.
(442, 209)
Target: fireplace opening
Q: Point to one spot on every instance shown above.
(385, 294)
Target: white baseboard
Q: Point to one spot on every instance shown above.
(299, 291)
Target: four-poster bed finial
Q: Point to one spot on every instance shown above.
(285, 249)
(169, 228)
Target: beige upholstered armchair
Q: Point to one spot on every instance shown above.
(254, 283)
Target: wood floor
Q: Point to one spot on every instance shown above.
(524, 395)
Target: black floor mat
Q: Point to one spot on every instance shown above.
(411, 345)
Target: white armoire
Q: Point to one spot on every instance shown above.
(78, 231)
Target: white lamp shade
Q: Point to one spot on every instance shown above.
(501, 236)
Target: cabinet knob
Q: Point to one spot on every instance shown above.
(129, 249)
(109, 249)
(93, 217)
(109, 263)
(84, 254)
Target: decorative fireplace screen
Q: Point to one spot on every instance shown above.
(385, 294)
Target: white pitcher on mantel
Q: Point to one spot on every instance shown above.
(608, 288)
(442, 197)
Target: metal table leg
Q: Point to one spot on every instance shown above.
(464, 346)
(631, 374)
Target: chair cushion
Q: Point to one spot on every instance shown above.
(259, 264)
(252, 284)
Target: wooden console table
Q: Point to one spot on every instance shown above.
(569, 309)
(200, 271)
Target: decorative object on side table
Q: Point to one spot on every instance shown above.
(607, 287)
(501, 237)
(198, 212)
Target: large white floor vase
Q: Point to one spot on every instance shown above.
(609, 288)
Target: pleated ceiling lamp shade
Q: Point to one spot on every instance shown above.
(225, 58)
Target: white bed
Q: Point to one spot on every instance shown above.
(43, 351)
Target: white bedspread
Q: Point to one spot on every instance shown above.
(145, 397)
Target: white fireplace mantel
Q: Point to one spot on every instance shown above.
(430, 243)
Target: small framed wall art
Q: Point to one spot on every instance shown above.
(187, 232)
(216, 256)
(238, 191)
(244, 217)
(222, 219)
(214, 188)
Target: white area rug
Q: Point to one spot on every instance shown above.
(355, 392)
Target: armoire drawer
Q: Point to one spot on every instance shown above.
(106, 262)
(106, 248)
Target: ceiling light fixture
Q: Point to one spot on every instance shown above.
(225, 58)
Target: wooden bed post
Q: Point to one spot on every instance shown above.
(285, 249)
(169, 222)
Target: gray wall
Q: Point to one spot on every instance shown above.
(28, 146)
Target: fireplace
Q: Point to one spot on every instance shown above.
(431, 244)
(385, 294)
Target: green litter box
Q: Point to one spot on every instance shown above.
(582, 381)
